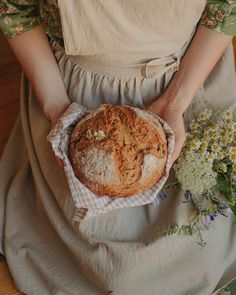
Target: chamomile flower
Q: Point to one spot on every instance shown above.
(195, 144)
(216, 148)
(205, 115)
(230, 136)
(220, 156)
(229, 121)
(99, 135)
(232, 149)
(222, 133)
(223, 167)
(224, 141)
(210, 157)
(193, 125)
(228, 114)
(207, 131)
(203, 148)
(230, 128)
(215, 136)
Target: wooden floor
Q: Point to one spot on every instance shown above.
(10, 73)
(9, 91)
(7, 286)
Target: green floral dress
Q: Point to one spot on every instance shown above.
(18, 16)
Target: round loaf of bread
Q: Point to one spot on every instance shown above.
(118, 150)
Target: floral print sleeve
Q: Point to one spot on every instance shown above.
(220, 16)
(17, 16)
(50, 20)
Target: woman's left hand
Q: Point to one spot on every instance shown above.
(174, 119)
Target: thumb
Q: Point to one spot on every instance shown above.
(60, 162)
(177, 150)
(174, 157)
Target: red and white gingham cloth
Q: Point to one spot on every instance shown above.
(86, 202)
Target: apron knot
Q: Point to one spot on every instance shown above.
(159, 66)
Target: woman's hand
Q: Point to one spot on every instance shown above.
(174, 119)
(53, 116)
(54, 112)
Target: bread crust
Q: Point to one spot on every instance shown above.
(127, 157)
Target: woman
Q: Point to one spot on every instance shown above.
(167, 56)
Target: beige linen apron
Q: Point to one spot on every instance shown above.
(119, 252)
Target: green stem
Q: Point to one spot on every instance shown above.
(170, 184)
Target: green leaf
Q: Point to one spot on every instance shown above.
(224, 185)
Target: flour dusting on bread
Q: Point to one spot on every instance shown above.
(98, 166)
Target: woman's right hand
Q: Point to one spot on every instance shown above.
(53, 116)
(54, 112)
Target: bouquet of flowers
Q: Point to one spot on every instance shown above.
(206, 169)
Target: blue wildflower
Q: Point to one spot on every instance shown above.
(159, 197)
(223, 206)
(187, 196)
(212, 216)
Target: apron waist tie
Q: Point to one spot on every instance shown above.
(149, 69)
(162, 65)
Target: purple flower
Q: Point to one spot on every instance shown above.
(212, 217)
(187, 196)
(209, 218)
(223, 206)
(159, 197)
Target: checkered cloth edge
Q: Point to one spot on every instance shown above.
(88, 204)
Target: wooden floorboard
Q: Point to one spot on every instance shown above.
(8, 116)
(10, 73)
(7, 286)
